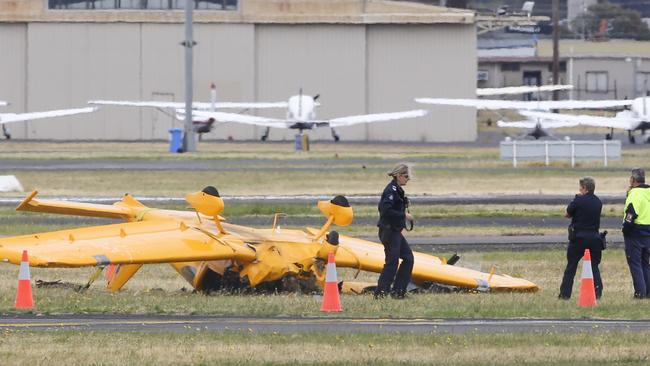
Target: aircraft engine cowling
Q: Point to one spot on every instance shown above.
(206, 202)
(338, 208)
(330, 245)
(337, 211)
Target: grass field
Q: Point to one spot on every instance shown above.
(265, 169)
(328, 169)
(14, 223)
(159, 289)
(236, 348)
(348, 181)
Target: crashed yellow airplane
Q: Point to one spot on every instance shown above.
(212, 254)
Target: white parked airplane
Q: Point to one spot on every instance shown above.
(301, 115)
(200, 126)
(211, 105)
(481, 92)
(19, 117)
(540, 119)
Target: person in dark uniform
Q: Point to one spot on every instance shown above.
(584, 212)
(393, 216)
(636, 233)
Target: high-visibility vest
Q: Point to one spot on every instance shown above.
(639, 197)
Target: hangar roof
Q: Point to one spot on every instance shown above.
(252, 11)
(612, 48)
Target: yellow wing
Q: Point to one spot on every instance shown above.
(124, 209)
(154, 241)
(370, 256)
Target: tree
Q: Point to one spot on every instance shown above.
(609, 20)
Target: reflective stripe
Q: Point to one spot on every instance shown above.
(640, 198)
(330, 276)
(24, 271)
(586, 270)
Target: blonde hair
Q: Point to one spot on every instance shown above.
(400, 168)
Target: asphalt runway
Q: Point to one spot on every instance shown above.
(245, 164)
(508, 199)
(459, 243)
(194, 324)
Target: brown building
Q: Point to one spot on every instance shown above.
(614, 69)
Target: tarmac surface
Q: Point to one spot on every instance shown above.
(459, 243)
(195, 324)
(530, 199)
(234, 164)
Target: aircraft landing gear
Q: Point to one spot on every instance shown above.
(266, 134)
(335, 136)
(630, 136)
(610, 135)
(6, 133)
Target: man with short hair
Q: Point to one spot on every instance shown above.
(636, 233)
(584, 212)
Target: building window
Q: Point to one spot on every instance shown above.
(510, 66)
(642, 83)
(141, 4)
(597, 81)
(562, 65)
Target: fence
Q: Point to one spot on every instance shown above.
(604, 150)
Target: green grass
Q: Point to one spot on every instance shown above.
(348, 168)
(158, 289)
(268, 348)
(280, 181)
(14, 223)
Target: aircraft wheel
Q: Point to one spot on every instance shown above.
(336, 138)
(263, 138)
(608, 136)
(632, 140)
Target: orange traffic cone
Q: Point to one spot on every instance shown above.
(331, 299)
(587, 289)
(24, 298)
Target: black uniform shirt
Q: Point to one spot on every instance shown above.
(585, 212)
(392, 207)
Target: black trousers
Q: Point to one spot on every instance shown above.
(575, 251)
(395, 247)
(637, 252)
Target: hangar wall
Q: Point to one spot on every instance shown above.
(13, 70)
(357, 68)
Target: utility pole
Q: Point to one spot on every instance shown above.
(189, 141)
(556, 46)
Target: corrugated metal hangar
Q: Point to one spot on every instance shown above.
(360, 56)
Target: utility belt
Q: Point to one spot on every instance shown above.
(573, 233)
(391, 227)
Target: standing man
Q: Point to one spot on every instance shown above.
(584, 212)
(636, 233)
(392, 220)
